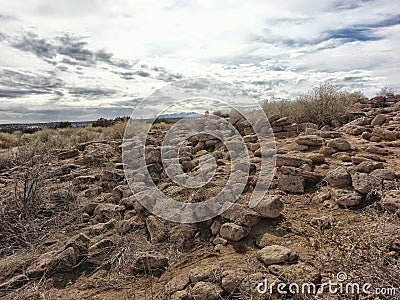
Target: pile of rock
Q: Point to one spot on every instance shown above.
(381, 120)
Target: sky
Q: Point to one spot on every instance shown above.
(81, 60)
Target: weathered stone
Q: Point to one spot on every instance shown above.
(203, 273)
(291, 184)
(287, 160)
(339, 177)
(368, 166)
(384, 134)
(378, 120)
(156, 228)
(339, 144)
(177, 283)
(310, 140)
(327, 151)
(233, 232)
(241, 215)
(282, 122)
(391, 201)
(377, 150)
(107, 211)
(383, 174)
(364, 183)
(346, 197)
(275, 254)
(231, 280)
(308, 175)
(269, 207)
(150, 262)
(206, 291)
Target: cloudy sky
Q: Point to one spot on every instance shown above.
(80, 60)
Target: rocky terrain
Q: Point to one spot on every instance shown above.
(72, 229)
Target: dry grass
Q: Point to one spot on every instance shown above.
(324, 105)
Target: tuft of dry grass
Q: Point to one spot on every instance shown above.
(324, 105)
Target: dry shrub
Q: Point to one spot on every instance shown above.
(324, 105)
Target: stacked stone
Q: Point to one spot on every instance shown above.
(284, 127)
(381, 120)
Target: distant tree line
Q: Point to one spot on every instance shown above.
(102, 122)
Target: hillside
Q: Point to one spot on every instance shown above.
(71, 228)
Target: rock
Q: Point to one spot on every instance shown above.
(287, 160)
(377, 150)
(378, 120)
(275, 254)
(364, 183)
(343, 156)
(106, 211)
(366, 135)
(306, 174)
(339, 144)
(68, 154)
(156, 228)
(329, 134)
(368, 166)
(346, 197)
(353, 129)
(316, 158)
(233, 232)
(38, 268)
(269, 207)
(205, 273)
(291, 184)
(206, 291)
(65, 261)
(181, 295)
(241, 215)
(310, 140)
(150, 262)
(231, 279)
(339, 177)
(100, 250)
(177, 283)
(391, 201)
(384, 134)
(327, 151)
(282, 122)
(112, 176)
(84, 179)
(383, 174)
(100, 228)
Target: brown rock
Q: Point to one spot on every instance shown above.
(206, 291)
(233, 232)
(269, 207)
(291, 184)
(339, 144)
(241, 215)
(310, 140)
(275, 254)
(339, 177)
